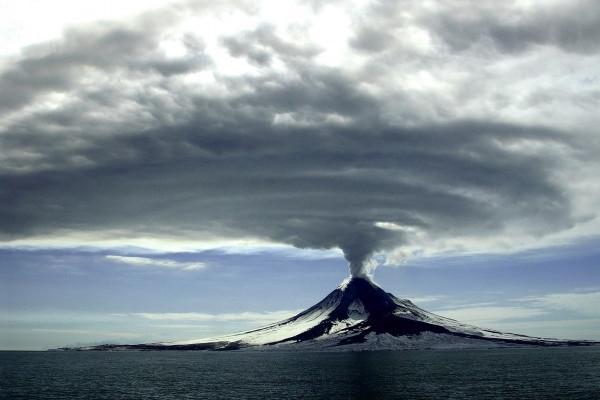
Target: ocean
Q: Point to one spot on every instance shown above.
(519, 373)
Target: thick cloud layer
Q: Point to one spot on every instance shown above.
(411, 134)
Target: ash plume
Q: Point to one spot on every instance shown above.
(359, 247)
(293, 150)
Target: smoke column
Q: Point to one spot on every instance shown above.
(360, 246)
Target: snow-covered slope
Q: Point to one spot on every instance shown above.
(358, 315)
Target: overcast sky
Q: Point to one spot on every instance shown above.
(186, 137)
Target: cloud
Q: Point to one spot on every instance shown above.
(157, 262)
(151, 129)
(107, 47)
(491, 314)
(94, 332)
(258, 317)
(426, 299)
(551, 314)
(585, 303)
(582, 329)
(513, 27)
(461, 26)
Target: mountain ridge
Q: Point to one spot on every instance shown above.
(357, 315)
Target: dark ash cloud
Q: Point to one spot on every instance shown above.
(311, 157)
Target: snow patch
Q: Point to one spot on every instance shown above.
(356, 311)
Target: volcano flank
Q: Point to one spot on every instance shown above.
(357, 315)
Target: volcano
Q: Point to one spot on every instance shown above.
(357, 315)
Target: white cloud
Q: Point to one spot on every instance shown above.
(426, 299)
(51, 18)
(92, 332)
(161, 245)
(155, 262)
(195, 327)
(563, 315)
(491, 314)
(575, 329)
(259, 317)
(580, 303)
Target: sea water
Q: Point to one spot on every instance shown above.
(520, 373)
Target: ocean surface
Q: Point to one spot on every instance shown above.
(546, 373)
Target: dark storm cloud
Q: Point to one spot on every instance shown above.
(307, 157)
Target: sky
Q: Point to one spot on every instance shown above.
(181, 169)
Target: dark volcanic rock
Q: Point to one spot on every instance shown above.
(357, 315)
